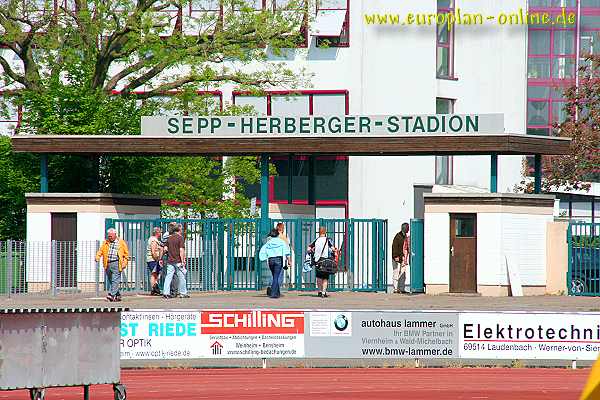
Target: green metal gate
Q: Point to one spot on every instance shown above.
(583, 276)
(417, 269)
(222, 254)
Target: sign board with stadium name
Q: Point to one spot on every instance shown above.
(377, 125)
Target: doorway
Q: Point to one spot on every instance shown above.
(463, 253)
(64, 232)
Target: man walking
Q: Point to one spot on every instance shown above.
(115, 255)
(154, 253)
(399, 258)
(175, 262)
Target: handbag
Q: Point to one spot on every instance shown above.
(326, 265)
(307, 264)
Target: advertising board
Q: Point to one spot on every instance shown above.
(384, 334)
(546, 336)
(359, 334)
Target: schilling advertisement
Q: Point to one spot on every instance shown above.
(252, 333)
(165, 334)
(160, 334)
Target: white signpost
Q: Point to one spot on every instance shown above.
(378, 125)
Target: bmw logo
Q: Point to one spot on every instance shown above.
(341, 322)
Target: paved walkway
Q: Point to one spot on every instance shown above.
(309, 300)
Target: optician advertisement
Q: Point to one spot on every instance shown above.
(159, 334)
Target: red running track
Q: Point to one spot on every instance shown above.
(336, 384)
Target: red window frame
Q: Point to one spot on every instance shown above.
(190, 10)
(216, 93)
(550, 81)
(450, 158)
(310, 93)
(449, 45)
(345, 33)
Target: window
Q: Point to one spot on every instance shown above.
(589, 37)
(241, 8)
(545, 107)
(331, 26)
(552, 3)
(206, 102)
(445, 43)
(329, 173)
(295, 12)
(443, 164)
(12, 59)
(551, 68)
(10, 115)
(464, 226)
(166, 20)
(201, 17)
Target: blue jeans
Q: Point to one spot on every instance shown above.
(171, 270)
(113, 277)
(276, 267)
(281, 276)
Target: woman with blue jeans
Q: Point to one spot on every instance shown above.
(274, 252)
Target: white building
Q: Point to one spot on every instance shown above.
(371, 69)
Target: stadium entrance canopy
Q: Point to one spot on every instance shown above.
(364, 135)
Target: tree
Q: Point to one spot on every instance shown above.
(97, 66)
(125, 45)
(19, 175)
(581, 166)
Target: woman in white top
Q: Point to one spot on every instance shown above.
(322, 247)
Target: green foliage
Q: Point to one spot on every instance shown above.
(19, 176)
(82, 69)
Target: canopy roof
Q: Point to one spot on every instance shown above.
(368, 145)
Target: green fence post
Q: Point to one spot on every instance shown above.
(374, 252)
(417, 284)
(299, 252)
(350, 260)
(221, 247)
(108, 224)
(569, 258)
(537, 186)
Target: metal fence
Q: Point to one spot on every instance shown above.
(222, 254)
(49, 268)
(583, 277)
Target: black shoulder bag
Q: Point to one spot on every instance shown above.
(326, 265)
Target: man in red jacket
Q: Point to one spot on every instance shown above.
(399, 258)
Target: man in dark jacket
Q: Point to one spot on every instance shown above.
(398, 259)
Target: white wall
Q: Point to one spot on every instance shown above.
(437, 249)
(489, 248)
(524, 245)
(502, 239)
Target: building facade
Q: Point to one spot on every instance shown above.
(366, 67)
